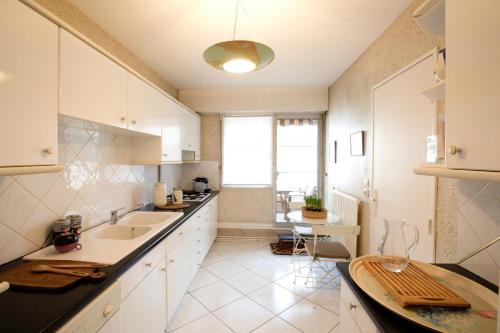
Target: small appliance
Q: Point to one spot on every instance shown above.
(200, 184)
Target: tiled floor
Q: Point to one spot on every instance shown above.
(243, 287)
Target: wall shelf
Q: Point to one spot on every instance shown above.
(24, 170)
(431, 16)
(436, 92)
(439, 170)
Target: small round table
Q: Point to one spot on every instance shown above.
(298, 218)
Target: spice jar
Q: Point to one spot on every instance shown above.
(61, 226)
(75, 224)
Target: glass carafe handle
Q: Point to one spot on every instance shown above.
(414, 244)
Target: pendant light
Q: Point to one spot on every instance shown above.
(238, 56)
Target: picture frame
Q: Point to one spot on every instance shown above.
(358, 143)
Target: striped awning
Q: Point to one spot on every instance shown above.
(297, 122)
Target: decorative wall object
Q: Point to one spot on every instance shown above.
(358, 143)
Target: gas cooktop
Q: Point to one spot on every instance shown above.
(193, 196)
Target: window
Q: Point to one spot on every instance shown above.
(247, 150)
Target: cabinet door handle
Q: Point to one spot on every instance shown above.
(134, 122)
(180, 234)
(453, 150)
(123, 118)
(108, 310)
(148, 264)
(163, 269)
(352, 306)
(171, 261)
(49, 150)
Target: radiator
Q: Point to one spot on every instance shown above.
(346, 208)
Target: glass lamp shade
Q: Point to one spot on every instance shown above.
(238, 56)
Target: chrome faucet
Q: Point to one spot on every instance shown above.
(114, 215)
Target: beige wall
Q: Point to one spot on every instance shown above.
(236, 205)
(350, 103)
(71, 15)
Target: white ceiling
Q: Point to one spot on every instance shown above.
(314, 40)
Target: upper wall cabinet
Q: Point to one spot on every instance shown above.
(92, 86)
(191, 133)
(472, 83)
(172, 132)
(145, 106)
(28, 87)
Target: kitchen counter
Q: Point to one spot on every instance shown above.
(387, 321)
(42, 311)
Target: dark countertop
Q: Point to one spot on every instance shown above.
(389, 322)
(41, 311)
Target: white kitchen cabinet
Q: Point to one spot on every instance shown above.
(28, 86)
(172, 132)
(144, 310)
(353, 317)
(92, 86)
(178, 274)
(191, 133)
(145, 107)
(472, 81)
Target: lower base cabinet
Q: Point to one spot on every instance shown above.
(144, 308)
(353, 317)
(146, 297)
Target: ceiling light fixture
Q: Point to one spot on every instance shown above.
(238, 56)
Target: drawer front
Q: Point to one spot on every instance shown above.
(178, 234)
(356, 310)
(97, 313)
(131, 278)
(347, 323)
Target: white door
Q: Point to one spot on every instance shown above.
(28, 86)
(402, 119)
(144, 309)
(144, 106)
(92, 86)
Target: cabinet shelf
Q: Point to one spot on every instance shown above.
(23, 170)
(431, 16)
(439, 170)
(435, 92)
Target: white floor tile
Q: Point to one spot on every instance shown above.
(275, 298)
(211, 258)
(247, 281)
(216, 295)
(202, 278)
(243, 315)
(328, 297)
(310, 318)
(250, 246)
(189, 310)
(224, 269)
(276, 325)
(272, 271)
(299, 285)
(248, 260)
(207, 324)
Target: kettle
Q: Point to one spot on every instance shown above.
(200, 184)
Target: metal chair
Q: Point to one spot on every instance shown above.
(323, 250)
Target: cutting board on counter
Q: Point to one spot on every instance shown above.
(21, 276)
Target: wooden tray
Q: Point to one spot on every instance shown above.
(481, 317)
(414, 287)
(21, 277)
(171, 206)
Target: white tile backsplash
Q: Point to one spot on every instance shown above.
(478, 223)
(95, 180)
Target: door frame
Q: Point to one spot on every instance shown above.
(372, 246)
(320, 116)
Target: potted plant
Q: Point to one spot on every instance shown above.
(314, 208)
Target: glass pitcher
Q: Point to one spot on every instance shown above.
(393, 249)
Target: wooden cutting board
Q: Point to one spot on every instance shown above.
(21, 277)
(414, 287)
